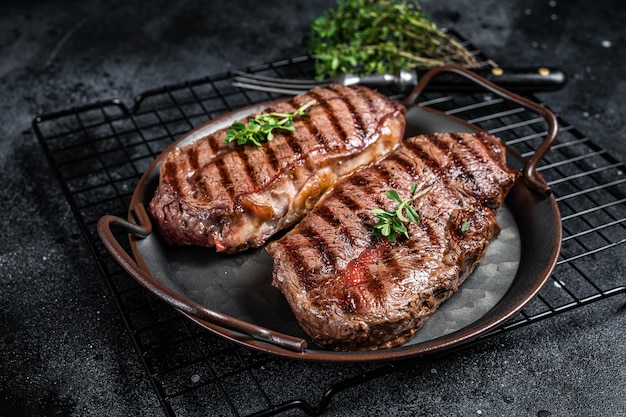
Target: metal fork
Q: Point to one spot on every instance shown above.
(518, 79)
(401, 81)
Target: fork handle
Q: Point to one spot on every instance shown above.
(517, 79)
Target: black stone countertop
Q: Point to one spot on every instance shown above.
(64, 349)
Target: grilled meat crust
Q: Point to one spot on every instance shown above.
(234, 197)
(352, 291)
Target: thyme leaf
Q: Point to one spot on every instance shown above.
(261, 128)
(392, 223)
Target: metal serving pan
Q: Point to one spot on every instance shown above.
(232, 295)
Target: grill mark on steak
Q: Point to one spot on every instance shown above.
(352, 129)
(272, 159)
(476, 154)
(312, 128)
(225, 180)
(482, 150)
(193, 159)
(430, 231)
(319, 137)
(352, 207)
(457, 161)
(330, 115)
(330, 216)
(425, 163)
(418, 150)
(261, 169)
(361, 196)
(405, 164)
(357, 121)
(169, 169)
(486, 145)
(243, 170)
(215, 145)
(327, 258)
(295, 262)
(351, 203)
(247, 167)
(368, 99)
(294, 145)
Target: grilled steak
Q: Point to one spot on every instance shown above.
(350, 290)
(234, 197)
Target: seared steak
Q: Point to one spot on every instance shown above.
(350, 290)
(234, 197)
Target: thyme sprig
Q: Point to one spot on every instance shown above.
(380, 36)
(391, 223)
(261, 128)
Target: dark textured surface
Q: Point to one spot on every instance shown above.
(63, 347)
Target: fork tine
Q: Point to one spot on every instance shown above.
(288, 91)
(277, 82)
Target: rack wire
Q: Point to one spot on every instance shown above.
(99, 151)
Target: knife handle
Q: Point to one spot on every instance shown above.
(518, 79)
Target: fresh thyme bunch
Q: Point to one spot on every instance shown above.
(380, 36)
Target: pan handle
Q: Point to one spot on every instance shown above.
(532, 179)
(141, 231)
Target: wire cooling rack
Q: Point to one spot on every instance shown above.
(100, 151)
